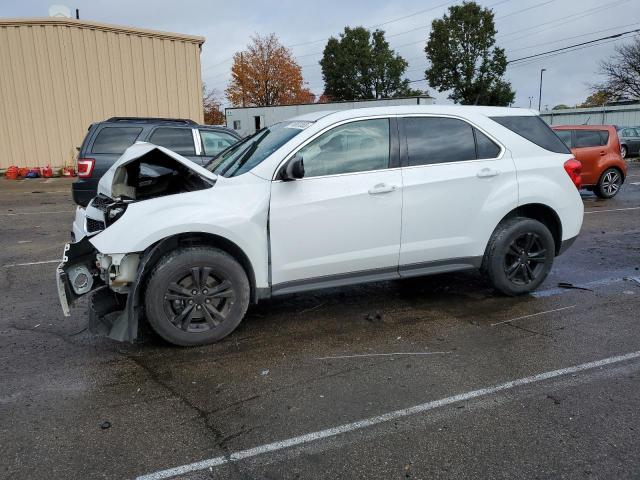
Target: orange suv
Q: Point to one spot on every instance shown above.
(597, 147)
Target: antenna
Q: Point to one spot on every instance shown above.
(59, 11)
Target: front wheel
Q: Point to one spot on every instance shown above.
(609, 184)
(196, 295)
(519, 256)
(623, 151)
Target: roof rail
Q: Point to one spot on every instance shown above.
(150, 119)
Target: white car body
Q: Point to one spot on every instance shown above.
(351, 227)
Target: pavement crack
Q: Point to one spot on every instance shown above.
(534, 332)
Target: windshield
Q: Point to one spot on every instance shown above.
(246, 154)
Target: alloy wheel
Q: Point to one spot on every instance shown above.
(525, 259)
(611, 183)
(623, 151)
(198, 300)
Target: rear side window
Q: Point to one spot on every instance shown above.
(213, 142)
(438, 140)
(565, 136)
(180, 140)
(589, 138)
(432, 140)
(535, 130)
(115, 139)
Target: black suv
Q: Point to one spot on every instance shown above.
(106, 142)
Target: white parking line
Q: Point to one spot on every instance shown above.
(31, 263)
(15, 214)
(532, 315)
(380, 419)
(612, 210)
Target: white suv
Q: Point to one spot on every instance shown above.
(322, 200)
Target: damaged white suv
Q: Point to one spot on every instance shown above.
(323, 200)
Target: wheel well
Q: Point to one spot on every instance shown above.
(202, 239)
(545, 215)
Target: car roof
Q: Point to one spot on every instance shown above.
(414, 109)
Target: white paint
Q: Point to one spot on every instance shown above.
(383, 354)
(35, 213)
(31, 263)
(533, 315)
(612, 210)
(635, 183)
(380, 419)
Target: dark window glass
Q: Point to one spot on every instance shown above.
(588, 138)
(353, 147)
(438, 140)
(604, 135)
(485, 147)
(213, 141)
(115, 139)
(180, 140)
(535, 130)
(565, 136)
(252, 150)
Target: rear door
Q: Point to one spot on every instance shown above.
(179, 139)
(457, 184)
(589, 149)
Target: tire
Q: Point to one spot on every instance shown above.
(513, 265)
(186, 311)
(623, 151)
(609, 184)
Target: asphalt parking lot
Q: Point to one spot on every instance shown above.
(429, 378)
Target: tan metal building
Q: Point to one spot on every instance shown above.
(58, 75)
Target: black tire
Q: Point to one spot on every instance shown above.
(623, 151)
(609, 184)
(196, 295)
(519, 256)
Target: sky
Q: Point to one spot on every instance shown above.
(524, 27)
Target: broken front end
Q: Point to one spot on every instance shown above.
(144, 172)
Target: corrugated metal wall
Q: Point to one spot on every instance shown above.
(57, 76)
(623, 115)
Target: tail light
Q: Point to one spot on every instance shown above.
(85, 167)
(574, 169)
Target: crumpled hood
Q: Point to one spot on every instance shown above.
(137, 150)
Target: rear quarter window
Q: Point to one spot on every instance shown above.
(535, 130)
(591, 138)
(115, 140)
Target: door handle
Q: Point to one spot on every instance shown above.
(602, 154)
(487, 172)
(382, 188)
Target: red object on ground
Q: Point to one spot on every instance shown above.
(68, 172)
(22, 171)
(12, 173)
(47, 172)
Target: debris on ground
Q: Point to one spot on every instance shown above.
(106, 424)
(264, 372)
(572, 286)
(376, 317)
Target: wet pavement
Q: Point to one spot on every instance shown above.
(301, 369)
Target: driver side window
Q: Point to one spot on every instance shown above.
(353, 147)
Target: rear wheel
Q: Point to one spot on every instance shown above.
(623, 151)
(196, 295)
(519, 255)
(609, 184)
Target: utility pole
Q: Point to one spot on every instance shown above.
(540, 96)
(242, 78)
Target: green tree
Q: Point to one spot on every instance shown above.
(464, 59)
(597, 99)
(361, 65)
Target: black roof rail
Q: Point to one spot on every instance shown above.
(151, 119)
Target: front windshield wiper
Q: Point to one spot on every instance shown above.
(244, 156)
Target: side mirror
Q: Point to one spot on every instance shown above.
(293, 170)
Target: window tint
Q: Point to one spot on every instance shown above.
(115, 139)
(438, 140)
(535, 130)
(180, 140)
(354, 147)
(604, 135)
(213, 142)
(588, 138)
(485, 147)
(565, 136)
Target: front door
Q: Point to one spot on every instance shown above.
(341, 222)
(457, 185)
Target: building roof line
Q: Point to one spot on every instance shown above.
(107, 27)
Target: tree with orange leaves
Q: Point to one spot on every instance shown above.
(266, 74)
